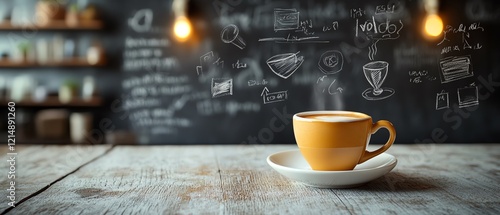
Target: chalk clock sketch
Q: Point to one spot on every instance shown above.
(286, 19)
(331, 62)
(468, 96)
(230, 34)
(222, 87)
(375, 73)
(268, 97)
(284, 65)
(442, 100)
(455, 68)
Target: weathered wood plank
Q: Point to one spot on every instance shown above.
(250, 186)
(429, 179)
(137, 180)
(39, 166)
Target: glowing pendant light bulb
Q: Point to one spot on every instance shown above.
(182, 28)
(433, 25)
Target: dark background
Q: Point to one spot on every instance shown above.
(186, 112)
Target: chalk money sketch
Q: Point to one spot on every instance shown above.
(375, 73)
(455, 68)
(284, 65)
(222, 87)
(442, 100)
(331, 62)
(273, 97)
(286, 19)
(468, 96)
(230, 34)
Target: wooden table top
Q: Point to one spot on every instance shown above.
(235, 179)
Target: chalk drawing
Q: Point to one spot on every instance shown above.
(141, 21)
(468, 96)
(222, 87)
(286, 19)
(455, 68)
(284, 65)
(375, 73)
(442, 100)
(331, 62)
(230, 34)
(273, 97)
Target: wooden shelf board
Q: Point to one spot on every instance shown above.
(74, 62)
(53, 101)
(55, 25)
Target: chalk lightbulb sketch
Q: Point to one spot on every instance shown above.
(284, 65)
(375, 73)
(230, 34)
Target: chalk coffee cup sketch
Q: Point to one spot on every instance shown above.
(375, 73)
(230, 34)
(284, 65)
(337, 140)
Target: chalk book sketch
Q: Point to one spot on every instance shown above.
(284, 65)
(230, 34)
(286, 19)
(375, 73)
(331, 62)
(468, 96)
(222, 87)
(274, 96)
(455, 68)
(442, 100)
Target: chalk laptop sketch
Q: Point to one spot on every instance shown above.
(284, 65)
(331, 62)
(222, 87)
(442, 100)
(375, 73)
(468, 96)
(230, 34)
(286, 19)
(455, 68)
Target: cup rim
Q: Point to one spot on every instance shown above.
(300, 115)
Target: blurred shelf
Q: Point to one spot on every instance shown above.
(71, 62)
(53, 101)
(55, 25)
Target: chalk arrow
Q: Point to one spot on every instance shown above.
(264, 92)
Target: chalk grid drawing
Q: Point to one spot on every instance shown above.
(331, 62)
(455, 68)
(286, 19)
(375, 73)
(442, 100)
(284, 65)
(273, 97)
(221, 87)
(468, 96)
(230, 34)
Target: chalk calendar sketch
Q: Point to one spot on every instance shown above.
(442, 100)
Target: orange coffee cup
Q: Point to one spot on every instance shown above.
(337, 140)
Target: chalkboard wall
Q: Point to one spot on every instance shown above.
(252, 64)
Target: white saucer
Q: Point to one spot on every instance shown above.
(292, 165)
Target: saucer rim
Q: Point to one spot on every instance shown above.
(385, 89)
(392, 162)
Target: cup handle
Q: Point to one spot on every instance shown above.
(392, 136)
